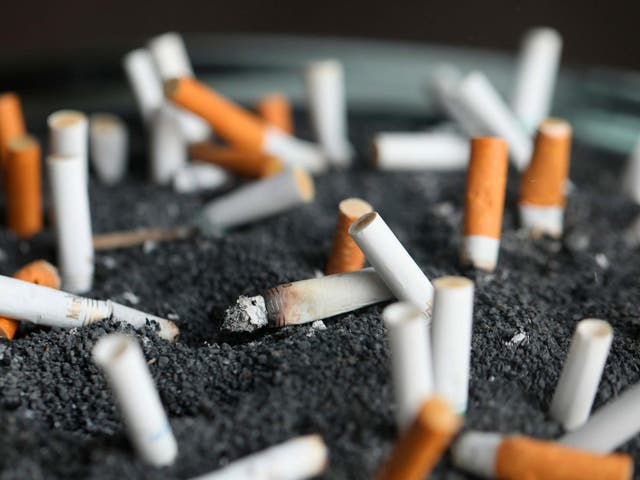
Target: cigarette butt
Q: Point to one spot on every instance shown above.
(255, 201)
(306, 301)
(11, 123)
(38, 272)
(23, 186)
(241, 128)
(411, 366)
(241, 162)
(484, 202)
(109, 142)
(168, 145)
(144, 82)
(542, 188)
(295, 459)
(198, 177)
(123, 363)
(345, 254)
(418, 450)
(69, 137)
(275, 109)
(631, 175)
(128, 239)
(492, 455)
(170, 56)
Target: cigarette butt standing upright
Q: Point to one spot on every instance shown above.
(275, 109)
(168, 146)
(241, 128)
(69, 137)
(536, 75)
(392, 262)
(581, 373)
(295, 459)
(345, 255)
(306, 301)
(23, 186)
(241, 162)
(126, 370)
(418, 450)
(542, 188)
(411, 368)
(38, 272)
(484, 203)
(70, 203)
(11, 122)
(451, 339)
(631, 176)
(255, 201)
(493, 455)
(109, 141)
(144, 82)
(326, 97)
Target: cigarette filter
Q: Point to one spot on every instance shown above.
(411, 369)
(255, 201)
(275, 109)
(241, 128)
(536, 74)
(611, 426)
(127, 239)
(109, 142)
(128, 376)
(631, 176)
(438, 150)
(392, 262)
(296, 459)
(451, 339)
(23, 186)
(241, 162)
(199, 176)
(481, 101)
(69, 137)
(326, 97)
(11, 122)
(484, 203)
(306, 301)
(581, 373)
(418, 450)
(492, 455)
(37, 304)
(168, 146)
(70, 204)
(345, 255)
(39, 272)
(144, 82)
(542, 188)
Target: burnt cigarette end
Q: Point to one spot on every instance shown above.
(247, 315)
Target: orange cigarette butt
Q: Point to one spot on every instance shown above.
(543, 182)
(23, 186)
(233, 123)
(275, 109)
(11, 122)
(486, 184)
(520, 457)
(241, 162)
(345, 254)
(419, 449)
(39, 272)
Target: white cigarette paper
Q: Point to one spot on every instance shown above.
(326, 98)
(69, 137)
(408, 333)
(296, 459)
(631, 177)
(109, 141)
(70, 204)
(393, 263)
(34, 303)
(144, 82)
(542, 218)
(476, 453)
(578, 384)
(293, 151)
(439, 150)
(536, 75)
(168, 146)
(451, 339)
(199, 176)
(127, 373)
(255, 201)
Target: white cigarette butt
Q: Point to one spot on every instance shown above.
(199, 176)
(293, 151)
(168, 146)
(109, 141)
(144, 82)
(69, 137)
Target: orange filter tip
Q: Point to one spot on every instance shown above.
(275, 109)
(11, 122)
(345, 254)
(240, 162)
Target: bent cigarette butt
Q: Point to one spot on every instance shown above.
(241, 162)
(198, 177)
(275, 109)
(484, 202)
(109, 142)
(306, 301)
(492, 455)
(418, 450)
(127, 239)
(69, 137)
(123, 363)
(295, 459)
(345, 255)
(11, 122)
(39, 272)
(23, 186)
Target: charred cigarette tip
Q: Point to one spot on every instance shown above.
(170, 86)
(247, 315)
(363, 222)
